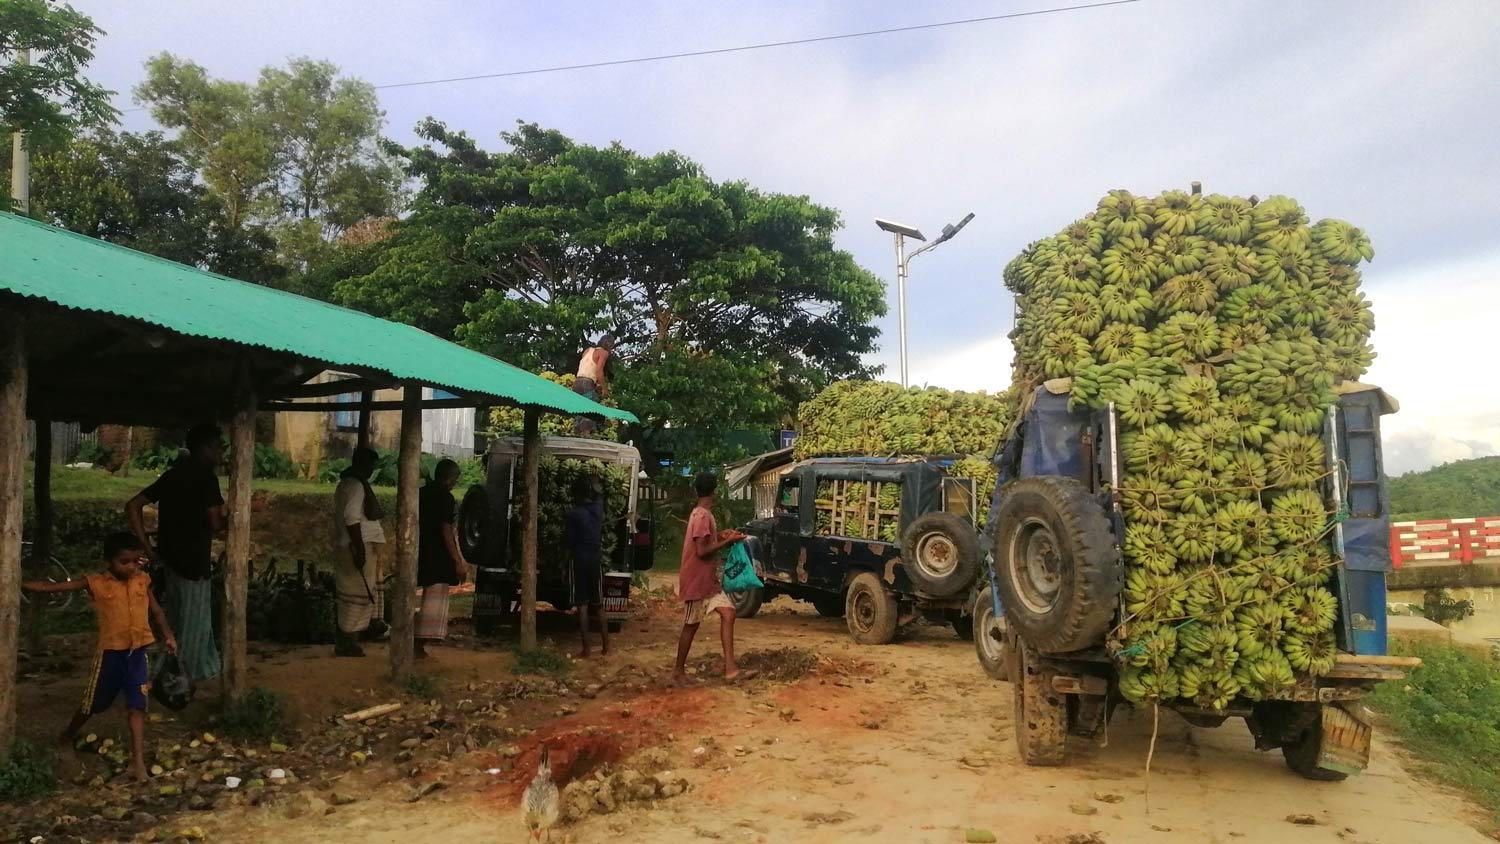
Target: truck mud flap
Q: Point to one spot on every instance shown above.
(1345, 745)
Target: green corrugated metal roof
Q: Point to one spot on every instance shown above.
(74, 271)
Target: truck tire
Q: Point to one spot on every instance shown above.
(1057, 563)
(747, 603)
(1041, 712)
(475, 523)
(940, 554)
(870, 611)
(829, 606)
(989, 637)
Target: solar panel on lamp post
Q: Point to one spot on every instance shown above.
(901, 232)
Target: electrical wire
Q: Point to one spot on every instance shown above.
(820, 39)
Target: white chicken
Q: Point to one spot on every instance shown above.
(539, 805)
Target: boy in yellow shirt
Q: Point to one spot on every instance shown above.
(125, 606)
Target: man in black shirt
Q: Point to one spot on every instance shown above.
(583, 528)
(440, 561)
(189, 513)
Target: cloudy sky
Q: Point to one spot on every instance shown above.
(1382, 112)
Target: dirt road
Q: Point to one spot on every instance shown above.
(910, 743)
(904, 743)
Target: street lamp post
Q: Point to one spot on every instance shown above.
(902, 232)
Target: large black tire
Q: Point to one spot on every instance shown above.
(940, 554)
(870, 611)
(747, 603)
(476, 521)
(1301, 754)
(1041, 712)
(1057, 563)
(989, 637)
(829, 606)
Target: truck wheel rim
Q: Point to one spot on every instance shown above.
(1037, 564)
(864, 610)
(989, 632)
(936, 553)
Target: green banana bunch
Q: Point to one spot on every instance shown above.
(1085, 235)
(1227, 219)
(1199, 493)
(1261, 627)
(1153, 452)
(1177, 212)
(1146, 499)
(1246, 472)
(1179, 253)
(1298, 516)
(1124, 214)
(1131, 263)
(1195, 398)
(1242, 522)
(1191, 291)
(1153, 596)
(1063, 352)
(1280, 222)
(1308, 565)
(1348, 319)
(1153, 649)
(1262, 578)
(1267, 675)
(1188, 337)
(1285, 264)
(1349, 361)
(1120, 342)
(1236, 336)
(1142, 404)
(1139, 685)
(1212, 602)
(1315, 653)
(1341, 242)
(1310, 610)
(1254, 304)
(1294, 459)
(1194, 537)
(1123, 304)
(1146, 547)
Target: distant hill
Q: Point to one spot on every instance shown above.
(1451, 491)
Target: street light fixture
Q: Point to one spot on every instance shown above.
(902, 232)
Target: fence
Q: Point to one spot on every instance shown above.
(1445, 542)
(650, 491)
(67, 438)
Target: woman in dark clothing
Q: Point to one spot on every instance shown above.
(583, 530)
(440, 561)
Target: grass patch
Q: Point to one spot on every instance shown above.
(540, 661)
(27, 774)
(259, 716)
(1448, 714)
(424, 686)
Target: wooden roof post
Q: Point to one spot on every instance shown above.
(12, 444)
(409, 478)
(531, 453)
(237, 542)
(365, 399)
(42, 510)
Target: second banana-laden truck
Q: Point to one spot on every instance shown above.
(1191, 511)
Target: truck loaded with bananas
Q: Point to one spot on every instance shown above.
(1191, 510)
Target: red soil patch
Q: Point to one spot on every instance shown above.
(602, 735)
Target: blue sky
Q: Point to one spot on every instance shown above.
(1383, 112)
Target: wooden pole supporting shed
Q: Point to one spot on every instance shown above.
(409, 477)
(237, 539)
(13, 374)
(42, 518)
(531, 454)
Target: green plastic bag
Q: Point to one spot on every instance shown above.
(739, 570)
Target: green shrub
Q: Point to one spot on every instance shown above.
(28, 773)
(270, 463)
(258, 716)
(94, 452)
(540, 661)
(1448, 713)
(157, 459)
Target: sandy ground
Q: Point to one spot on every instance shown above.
(904, 743)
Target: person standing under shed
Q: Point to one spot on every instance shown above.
(592, 380)
(440, 560)
(189, 513)
(357, 514)
(583, 530)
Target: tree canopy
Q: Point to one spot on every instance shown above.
(48, 97)
(731, 305)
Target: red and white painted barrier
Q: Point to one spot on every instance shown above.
(1445, 542)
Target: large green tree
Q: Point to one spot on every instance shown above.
(138, 190)
(731, 304)
(48, 97)
(297, 152)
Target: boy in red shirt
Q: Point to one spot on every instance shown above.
(123, 601)
(698, 583)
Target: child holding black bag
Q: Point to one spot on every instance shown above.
(125, 606)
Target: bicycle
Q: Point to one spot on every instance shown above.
(51, 570)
